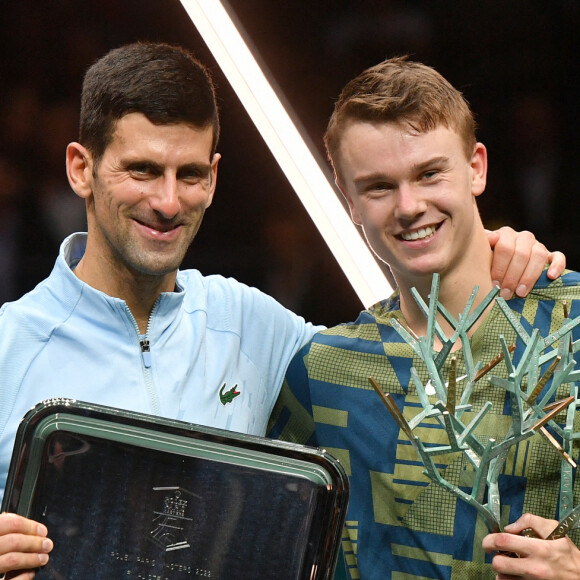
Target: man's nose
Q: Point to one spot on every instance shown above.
(165, 199)
(410, 203)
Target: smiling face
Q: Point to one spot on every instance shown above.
(414, 196)
(146, 196)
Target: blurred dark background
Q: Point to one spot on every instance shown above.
(515, 61)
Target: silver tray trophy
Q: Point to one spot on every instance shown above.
(127, 495)
(531, 398)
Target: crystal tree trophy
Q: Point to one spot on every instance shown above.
(527, 390)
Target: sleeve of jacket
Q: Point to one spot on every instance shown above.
(270, 334)
(20, 343)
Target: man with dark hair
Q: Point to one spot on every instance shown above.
(402, 144)
(164, 83)
(116, 323)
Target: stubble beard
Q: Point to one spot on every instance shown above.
(148, 257)
(155, 258)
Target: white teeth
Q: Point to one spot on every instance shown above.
(420, 234)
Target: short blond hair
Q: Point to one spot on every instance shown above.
(401, 91)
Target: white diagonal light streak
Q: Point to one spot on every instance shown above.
(289, 148)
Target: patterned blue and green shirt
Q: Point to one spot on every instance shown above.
(400, 525)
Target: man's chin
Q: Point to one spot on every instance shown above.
(162, 266)
(157, 259)
(415, 274)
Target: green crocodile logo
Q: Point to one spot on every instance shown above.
(228, 396)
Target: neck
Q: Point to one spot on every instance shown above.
(455, 289)
(139, 291)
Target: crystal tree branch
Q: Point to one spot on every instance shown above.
(525, 385)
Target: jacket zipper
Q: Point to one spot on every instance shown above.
(145, 348)
(145, 352)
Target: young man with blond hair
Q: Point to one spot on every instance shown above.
(402, 144)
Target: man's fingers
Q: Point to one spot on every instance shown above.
(21, 575)
(528, 276)
(507, 544)
(17, 564)
(507, 566)
(557, 261)
(517, 263)
(22, 561)
(541, 526)
(23, 545)
(503, 242)
(22, 552)
(538, 259)
(15, 524)
(519, 260)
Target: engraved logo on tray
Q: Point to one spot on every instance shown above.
(169, 521)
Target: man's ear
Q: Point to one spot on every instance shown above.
(478, 169)
(354, 215)
(213, 178)
(79, 169)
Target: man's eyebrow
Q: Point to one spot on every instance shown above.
(416, 168)
(136, 162)
(377, 176)
(440, 159)
(193, 167)
(201, 168)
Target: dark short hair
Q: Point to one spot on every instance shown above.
(165, 83)
(400, 91)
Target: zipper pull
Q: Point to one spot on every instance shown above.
(145, 352)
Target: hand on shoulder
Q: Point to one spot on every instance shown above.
(519, 260)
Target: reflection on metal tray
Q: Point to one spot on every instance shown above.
(129, 495)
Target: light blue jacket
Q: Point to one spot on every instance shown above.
(66, 339)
